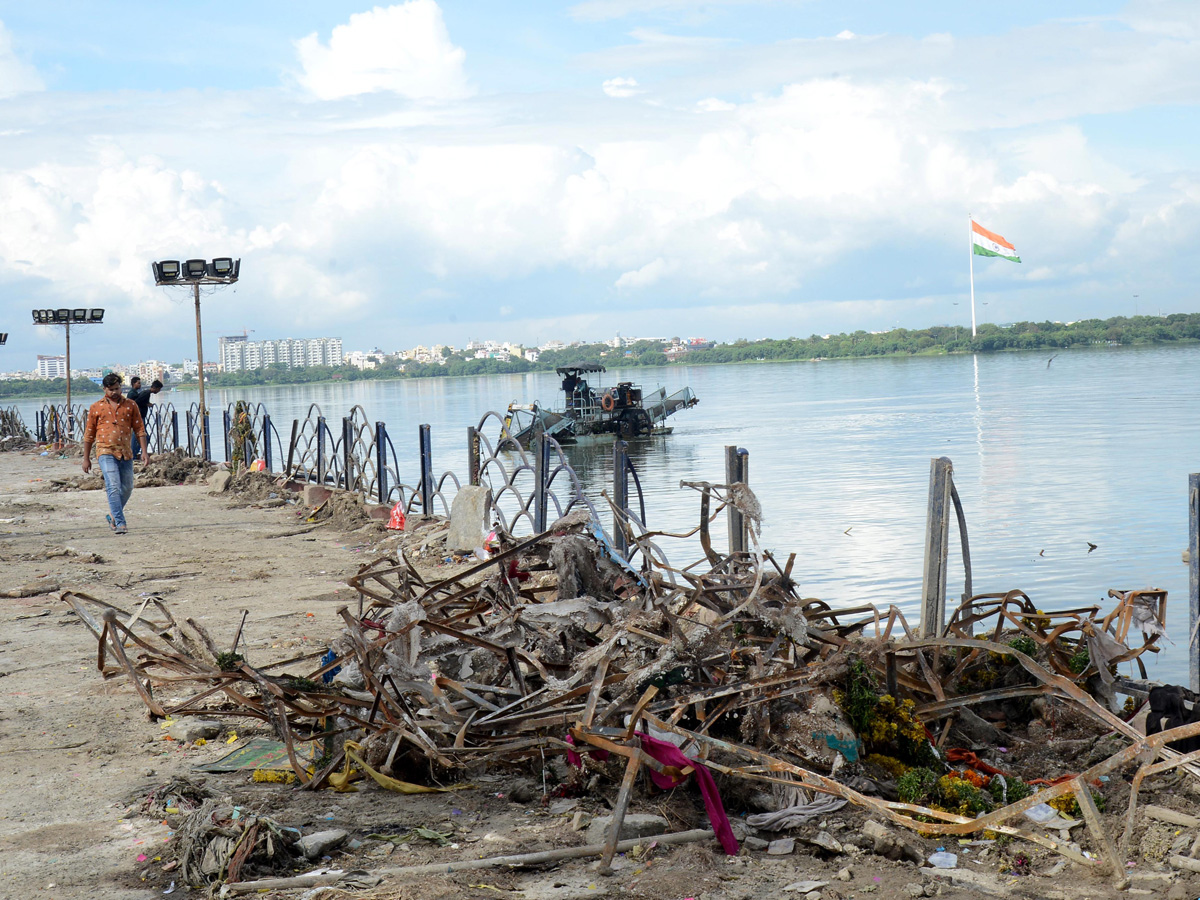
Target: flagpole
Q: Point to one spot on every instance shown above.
(971, 263)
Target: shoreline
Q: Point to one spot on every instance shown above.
(928, 354)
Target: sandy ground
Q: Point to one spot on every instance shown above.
(75, 750)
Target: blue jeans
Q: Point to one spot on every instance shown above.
(136, 446)
(118, 484)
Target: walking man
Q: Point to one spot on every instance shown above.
(110, 423)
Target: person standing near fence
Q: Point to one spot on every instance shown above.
(141, 396)
(111, 422)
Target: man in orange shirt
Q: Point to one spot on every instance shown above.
(110, 423)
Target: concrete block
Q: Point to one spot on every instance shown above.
(320, 843)
(378, 512)
(315, 495)
(219, 480)
(188, 730)
(469, 517)
(634, 825)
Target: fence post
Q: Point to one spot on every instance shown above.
(292, 449)
(937, 546)
(266, 454)
(38, 434)
(1193, 578)
(426, 470)
(620, 497)
(188, 414)
(473, 454)
(541, 477)
(737, 471)
(207, 437)
(175, 429)
(321, 450)
(228, 447)
(381, 485)
(347, 453)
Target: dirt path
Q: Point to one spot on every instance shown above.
(73, 748)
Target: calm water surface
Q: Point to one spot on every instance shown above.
(1096, 447)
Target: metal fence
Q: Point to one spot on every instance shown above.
(529, 487)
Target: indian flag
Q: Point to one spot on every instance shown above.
(988, 243)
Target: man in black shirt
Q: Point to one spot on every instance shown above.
(141, 396)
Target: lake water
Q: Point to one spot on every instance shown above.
(1096, 447)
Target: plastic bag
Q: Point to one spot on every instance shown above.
(259, 465)
(396, 522)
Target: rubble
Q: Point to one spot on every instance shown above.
(718, 672)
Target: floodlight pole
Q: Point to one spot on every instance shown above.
(200, 374)
(70, 412)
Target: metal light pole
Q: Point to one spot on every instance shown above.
(200, 371)
(222, 270)
(65, 317)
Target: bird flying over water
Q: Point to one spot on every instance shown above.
(1050, 360)
(1091, 546)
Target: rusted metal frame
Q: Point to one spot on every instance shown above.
(599, 680)
(546, 719)
(939, 709)
(760, 684)
(462, 690)
(935, 685)
(1064, 685)
(486, 564)
(415, 733)
(500, 651)
(181, 660)
(514, 705)
(1147, 769)
(560, 699)
(1091, 815)
(638, 708)
(110, 627)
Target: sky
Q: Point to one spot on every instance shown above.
(435, 172)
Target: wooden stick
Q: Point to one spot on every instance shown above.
(545, 856)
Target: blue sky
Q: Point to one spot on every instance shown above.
(430, 172)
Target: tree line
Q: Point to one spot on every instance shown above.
(938, 339)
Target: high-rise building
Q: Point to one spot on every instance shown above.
(51, 366)
(239, 354)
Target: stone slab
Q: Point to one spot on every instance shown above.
(469, 517)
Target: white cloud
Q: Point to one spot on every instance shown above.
(621, 87)
(16, 77)
(402, 49)
(381, 213)
(651, 273)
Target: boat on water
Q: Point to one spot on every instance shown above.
(623, 410)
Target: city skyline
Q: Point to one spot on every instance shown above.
(423, 172)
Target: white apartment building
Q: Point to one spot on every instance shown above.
(51, 366)
(237, 354)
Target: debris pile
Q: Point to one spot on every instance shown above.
(173, 467)
(718, 672)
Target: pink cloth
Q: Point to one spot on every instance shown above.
(670, 755)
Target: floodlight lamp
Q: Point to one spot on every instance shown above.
(79, 315)
(195, 268)
(62, 315)
(222, 267)
(96, 315)
(167, 270)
